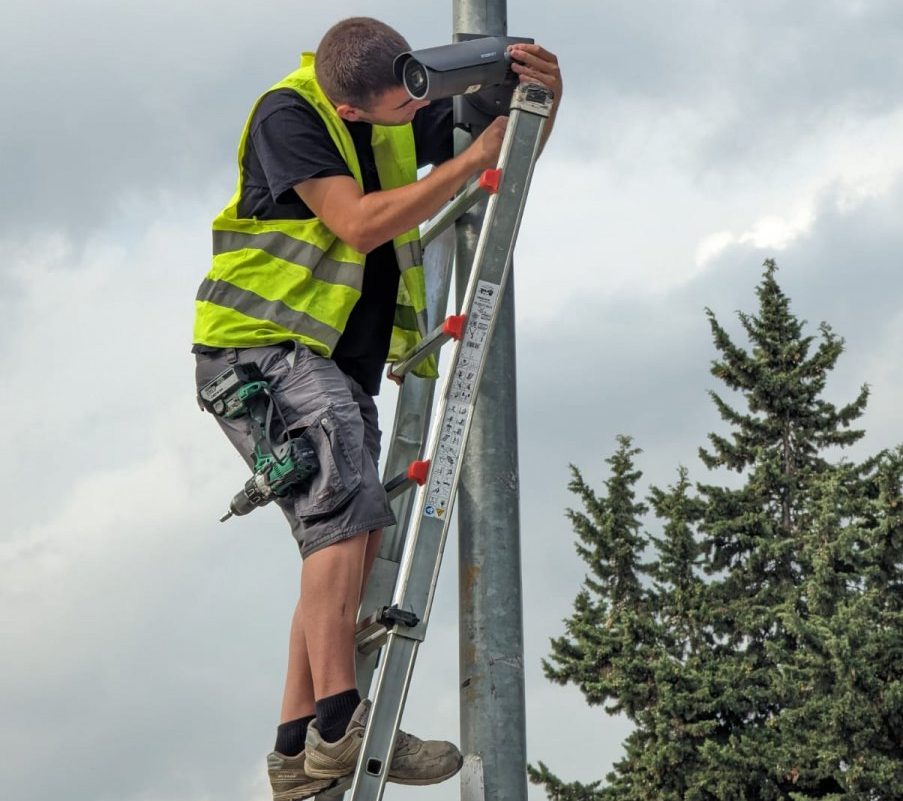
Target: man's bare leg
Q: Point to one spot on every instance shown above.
(335, 647)
(331, 745)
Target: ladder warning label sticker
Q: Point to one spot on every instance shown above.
(460, 398)
(442, 474)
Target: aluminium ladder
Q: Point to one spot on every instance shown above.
(400, 626)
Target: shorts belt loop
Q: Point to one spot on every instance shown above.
(232, 355)
(292, 355)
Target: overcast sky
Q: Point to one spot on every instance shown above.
(143, 642)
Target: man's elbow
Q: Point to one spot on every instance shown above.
(364, 238)
(360, 242)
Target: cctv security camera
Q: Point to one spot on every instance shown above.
(478, 67)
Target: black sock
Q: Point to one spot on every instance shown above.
(290, 736)
(334, 714)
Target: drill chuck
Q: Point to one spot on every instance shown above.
(256, 492)
(275, 477)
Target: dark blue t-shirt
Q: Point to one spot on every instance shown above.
(289, 143)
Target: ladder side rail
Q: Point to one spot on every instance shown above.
(424, 545)
(492, 261)
(415, 396)
(412, 413)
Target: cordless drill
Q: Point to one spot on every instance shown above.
(279, 466)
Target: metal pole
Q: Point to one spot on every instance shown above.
(493, 719)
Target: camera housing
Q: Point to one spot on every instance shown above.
(476, 71)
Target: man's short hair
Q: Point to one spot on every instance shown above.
(354, 60)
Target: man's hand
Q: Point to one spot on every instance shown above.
(533, 63)
(487, 146)
(398, 380)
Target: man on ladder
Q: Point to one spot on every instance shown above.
(316, 282)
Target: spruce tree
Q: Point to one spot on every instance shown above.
(754, 536)
(849, 621)
(610, 608)
(758, 652)
(604, 651)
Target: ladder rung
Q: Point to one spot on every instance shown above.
(339, 788)
(416, 473)
(487, 182)
(451, 328)
(371, 631)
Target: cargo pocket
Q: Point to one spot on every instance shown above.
(330, 431)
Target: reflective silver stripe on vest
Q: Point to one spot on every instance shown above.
(242, 300)
(410, 254)
(284, 247)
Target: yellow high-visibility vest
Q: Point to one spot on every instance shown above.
(274, 281)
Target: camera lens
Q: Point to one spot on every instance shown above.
(416, 80)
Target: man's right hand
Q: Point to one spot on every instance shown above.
(487, 146)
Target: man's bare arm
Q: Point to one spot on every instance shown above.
(365, 221)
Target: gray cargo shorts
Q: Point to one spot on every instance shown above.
(346, 496)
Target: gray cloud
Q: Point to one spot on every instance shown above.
(141, 100)
(739, 85)
(638, 364)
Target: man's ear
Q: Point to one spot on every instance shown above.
(348, 112)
